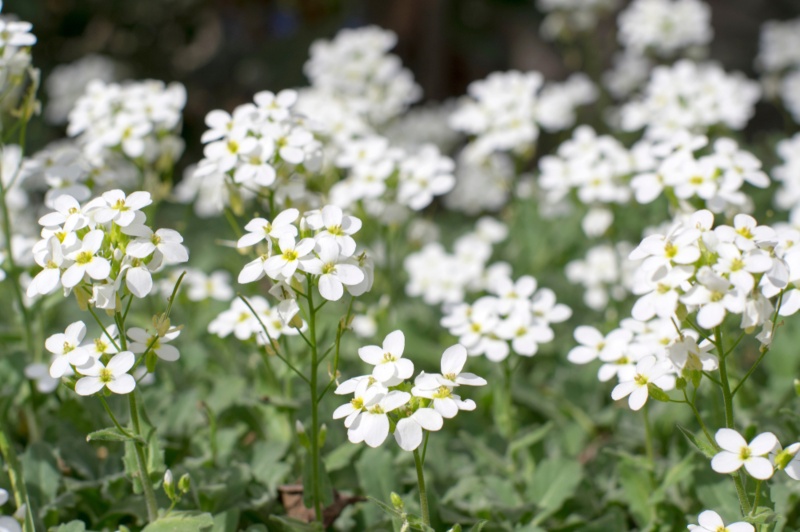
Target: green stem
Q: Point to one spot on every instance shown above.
(14, 271)
(648, 434)
(315, 450)
(755, 499)
(144, 476)
(699, 419)
(114, 418)
(423, 494)
(727, 398)
(17, 480)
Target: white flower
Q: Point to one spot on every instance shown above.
(160, 346)
(736, 452)
(453, 360)
(444, 400)
(364, 389)
(285, 264)
(372, 425)
(86, 261)
(116, 207)
(114, 376)
(334, 224)
(166, 243)
(51, 260)
(68, 215)
(390, 367)
(333, 273)
(259, 229)
(710, 521)
(714, 295)
(595, 345)
(648, 370)
(41, 374)
(408, 432)
(67, 349)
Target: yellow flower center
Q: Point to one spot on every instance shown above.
(84, 257)
(106, 376)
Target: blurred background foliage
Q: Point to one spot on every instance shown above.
(223, 51)
(564, 459)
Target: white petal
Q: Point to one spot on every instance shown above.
(725, 462)
(408, 434)
(763, 444)
(453, 359)
(395, 343)
(88, 386)
(375, 428)
(139, 281)
(122, 384)
(730, 440)
(428, 418)
(759, 467)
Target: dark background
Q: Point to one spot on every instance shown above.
(223, 51)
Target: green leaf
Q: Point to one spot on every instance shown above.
(637, 486)
(377, 475)
(182, 522)
(477, 527)
(392, 512)
(111, 434)
(531, 438)
(554, 482)
(762, 515)
(226, 521)
(701, 445)
(72, 526)
(294, 525)
(131, 466)
(41, 474)
(657, 393)
(342, 456)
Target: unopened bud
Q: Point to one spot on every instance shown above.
(397, 502)
(185, 483)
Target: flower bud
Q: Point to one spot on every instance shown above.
(184, 483)
(397, 502)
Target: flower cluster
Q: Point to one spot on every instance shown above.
(514, 316)
(441, 277)
(142, 120)
(381, 177)
(93, 247)
(787, 197)
(383, 400)
(67, 83)
(665, 27)
(682, 166)
(244, 324)
(102, 362)
(15, 55)
(200, 286)
(258, 146)
(779, 59)
(505, 111)
(691, 96)
(357, 67)
(739, 270)
(322, 247)
(481, 185)
(565, 17)
(605, 273)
